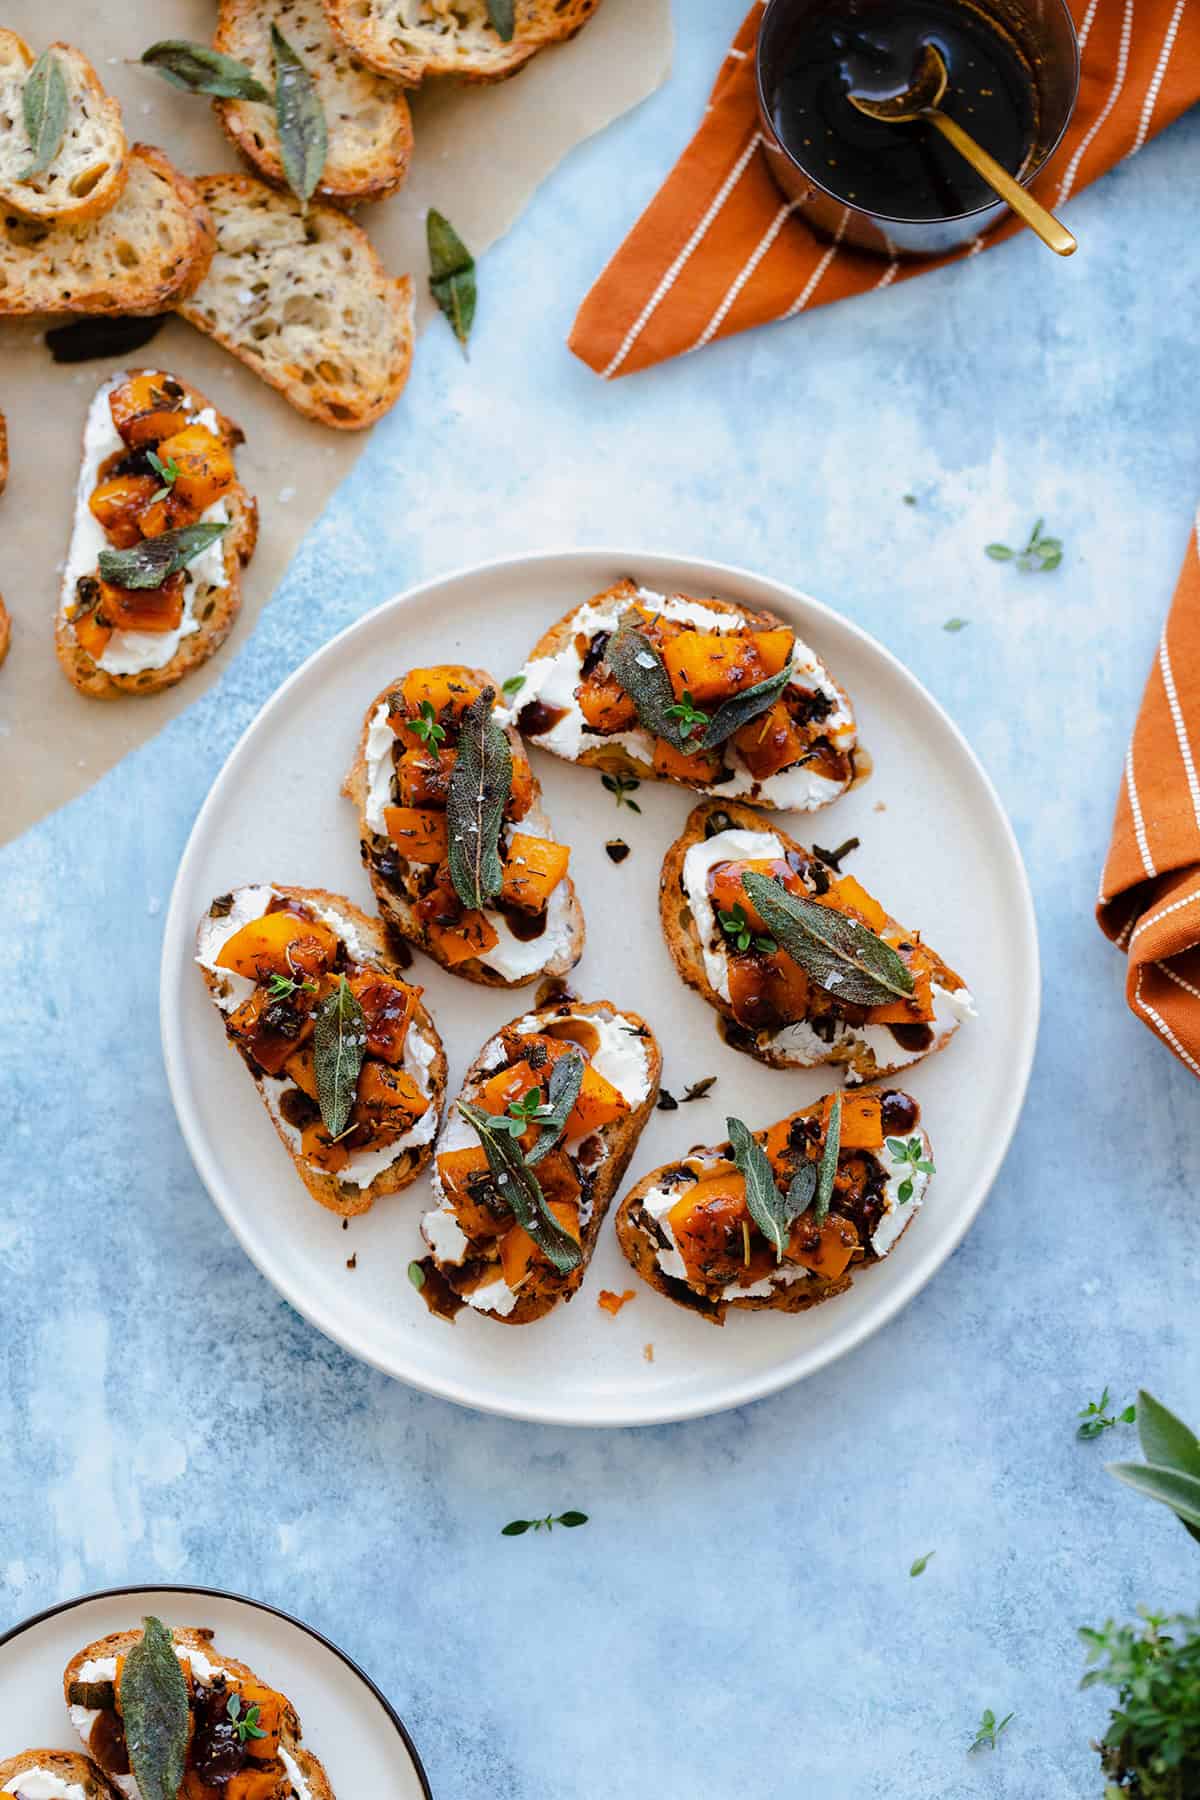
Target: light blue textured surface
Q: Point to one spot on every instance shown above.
(738, 1616)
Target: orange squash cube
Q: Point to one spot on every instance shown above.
(695, 766)
(471, 936)
(773, 648)
(91, 636)
(417, 832)
(318, 1148)
(118, 504)
(204, 463)
(520, 798)
(557, 1178)
(726, 891)
(849, 896)
(253, 1784)
(423, 776)
(533, 868)
(518, 1252)
(711, 666)
(270, 1716)
(260, 949)
(507, 1085)
(149, 407)
(388, 1007)
(599, 1103)
(830, 1256)
(768, 991)
(301, 1067)
(388, 1103)
(605, 704)
(142, 609)
(918, 1010)
(862, 1121)
(770, 743)
(448, 688)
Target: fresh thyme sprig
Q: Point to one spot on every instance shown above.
(1040, 555)
(988, 1735)
(518, 1527)
(283, 987)
(245, 1723)
(689, 716)
(913, 1154)
(426, 727)
(738, 930)
(167, 472)
(621, 786)
(1097, 1419)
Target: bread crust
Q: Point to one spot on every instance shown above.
(345, 1199)
(399, 913)
(683, 942)
(48, 267)
(69, 1765)
(620, 1137)
(354, 170)
(617, 759)
(474, 53)
(47, 197)
(340, 393)
(3, 453)
(5, 630)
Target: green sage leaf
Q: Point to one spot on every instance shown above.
(764, 1202)
(339, 1045)
(502, 17)
(452, 279)
(480, 784)
(837, 952)
(154, 1704)
(1175, 1489)
(828, 1165)
(44, 108)
(801, 1189)
(1166, 1440)
(517, 1528)
(517, 1186)
(571, 1519)
(562, 1091)
(156, 559)
(642, 673)
(300, 120)
(200, 70)
(739, 709)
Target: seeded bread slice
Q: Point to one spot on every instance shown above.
(151, 247)
(67, 1765)
(410, 39)
(367, 118)
(89, 169)
(303, 300)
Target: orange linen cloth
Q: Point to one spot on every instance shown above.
(719, 249)
(1150, 892)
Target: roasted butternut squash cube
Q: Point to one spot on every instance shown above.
(605, 704)
(318, 1148)
(467, 1180)
(388, 1008)
(557, 1178)
(204, 464)
(507, 1085)
(599, 1103)
(423, 777)
(301, 1067)
(700, 766)
(269, 946)
(142, 609)
(91, 636)
(270, 1031)
(862, 1121)
(118, 504)
(447, 687)
(849, 896)
(149, 407)
(770, 743)
(773, 648)
(417, 832)
(388, 1103)
(533, 868)
(253, 1783)
(726, 891)
(471, 936)
(917, 1010)
(520, 798)
(830, 1255)
(786, 1148)
(711, 666)
(519, 1253)
(768, 991)
(270, 1716)
(706, 1223)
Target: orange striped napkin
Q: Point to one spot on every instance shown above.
(1150, 894)
(719, 248)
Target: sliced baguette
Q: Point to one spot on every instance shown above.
(867, 1217)
(367, 118)
(152, 247)
(842, 1036)
(303, 300)
(398, 883)
(212, 604)
(195, 1648)
(626, 1046)
(554, 669)
(410, 39)
(66, 1765)
(363, 941)
(89, 169)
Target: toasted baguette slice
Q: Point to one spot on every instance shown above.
(3, 453)
(347, 1177)
(138, 662)
(410, 39)
(367, 118)
(400, 883)
(853, 1038)
(91, 1672)
(303, 300)
(820, 741)
(89, 169)
(687, 1231)
(63, 1765)
(479, 1256)
(150, 248)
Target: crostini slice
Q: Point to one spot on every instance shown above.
(55, 1775)
(410, 39)
(788, 1013)
(430, 745)
(299, 974)
(571, 1087)
(157, 474)
(699, 692)
(238, 1765)
(87, 172)
(690, 1230)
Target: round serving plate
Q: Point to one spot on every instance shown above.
(936, 848)
(358, 1736)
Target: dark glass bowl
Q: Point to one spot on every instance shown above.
(1046, 36)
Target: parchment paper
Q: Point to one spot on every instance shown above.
(480, 154)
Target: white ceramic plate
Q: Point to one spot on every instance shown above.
(365, 1748)
(275, 814)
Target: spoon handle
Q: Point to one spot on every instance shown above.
(1020, 199)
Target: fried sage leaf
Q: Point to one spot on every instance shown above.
(764, 1202)
(828, 1166)
(562, 1091)
(739, 709)
(801, 1189)
(339, 1045)
(300, 120)
(44, 107)
(154, 1705)
(502, 17)
(451, 274)
(641, 671)
(156, 559)
(480, 785)
(841, 955)
(199, 70)
(88, 340)
(518, 1187)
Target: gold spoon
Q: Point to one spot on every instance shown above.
(921, 100)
